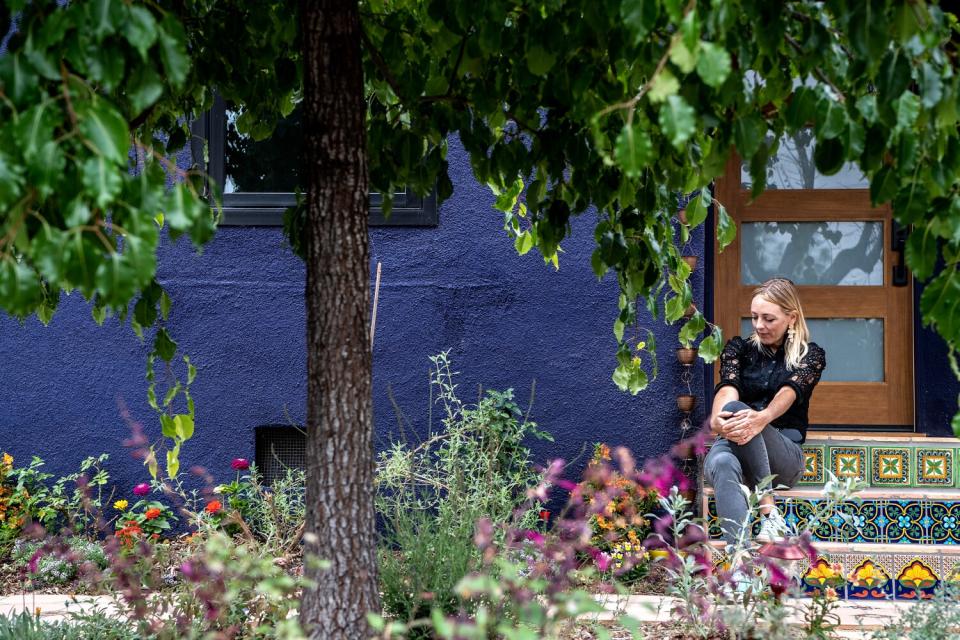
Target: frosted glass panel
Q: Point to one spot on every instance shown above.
(854, 347)
(812, 253)
(792, 168)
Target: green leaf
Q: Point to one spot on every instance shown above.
(674, 9)
(173, 50)
(140, 29)
(665, 84)
(101, 181)
(163, 345)
(19, 79)
(831, 118)
(167, 427)
(11, 181)
(173, 461)
(104, 16)
(639, 17)
(711, 345)
(35, 128)
(144, 89)
(867, 106)
(931, 85)
(523, 243)
(749, 132)
(697, 209)
(726, 228)
(183, 425)
(894, 75)
(116, 281)
(678, 120)
(683, 57)
(20, 290)
(105, 129)
(940, 304)
(633, 150)
(165, 304)
(713, 64)
(539, 60)
(828, 156)
(908, 108)
(921, 251)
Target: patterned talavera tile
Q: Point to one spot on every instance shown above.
(849, 462)
(906, 522)
(945, 522)
(890, 466)
(822, 574)
(812, 465)
(869, 580)
(934, 467)
(917, 580)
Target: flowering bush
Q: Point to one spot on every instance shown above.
(146, 517)
(624, 522)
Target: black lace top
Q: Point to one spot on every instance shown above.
(758, 376)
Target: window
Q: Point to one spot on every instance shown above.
(258, 178)
(278, 448)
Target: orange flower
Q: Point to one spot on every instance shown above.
(152, 514)
(213, 506)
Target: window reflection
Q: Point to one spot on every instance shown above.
(271, 165)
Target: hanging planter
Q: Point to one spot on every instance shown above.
(691, 261)
(687, 355)
(686, 402)
(692, 309)
(682, 216)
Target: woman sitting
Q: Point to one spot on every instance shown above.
(760, 409)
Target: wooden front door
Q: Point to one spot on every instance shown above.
(841, 253)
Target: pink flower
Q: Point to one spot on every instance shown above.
(240, 464)
(141, 489)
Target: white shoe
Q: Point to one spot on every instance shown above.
(772, 527)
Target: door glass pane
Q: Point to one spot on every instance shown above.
(812, 253)
(792, 167)
(268, 166)
(854, 347)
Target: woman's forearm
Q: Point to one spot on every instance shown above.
(720, 399)
(784, 399)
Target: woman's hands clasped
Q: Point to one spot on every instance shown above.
(740, 427)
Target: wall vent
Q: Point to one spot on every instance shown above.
(278, 448)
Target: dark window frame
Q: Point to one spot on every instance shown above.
(266, 208)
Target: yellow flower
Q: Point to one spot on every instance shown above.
(120, 505)
(7, 460)
(831, 594)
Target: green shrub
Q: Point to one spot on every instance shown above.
(26, 626)
(430, 495)
(58, 565)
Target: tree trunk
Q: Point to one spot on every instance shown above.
(340, 463)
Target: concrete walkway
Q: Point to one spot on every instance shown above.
(857, 619)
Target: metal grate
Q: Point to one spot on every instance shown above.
(278, 448)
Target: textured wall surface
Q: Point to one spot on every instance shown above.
(238, 312)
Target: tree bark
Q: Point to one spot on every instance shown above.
(340, 463)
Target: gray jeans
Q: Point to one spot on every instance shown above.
(728, 465)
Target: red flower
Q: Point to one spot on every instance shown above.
(544, 515)
(213, 506)
(152, 514)
(240, 464)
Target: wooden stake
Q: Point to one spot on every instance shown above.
(376, 296)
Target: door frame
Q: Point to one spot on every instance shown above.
(728, 191)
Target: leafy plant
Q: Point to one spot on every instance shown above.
(99, 625)
(431, 494)
(934, 619)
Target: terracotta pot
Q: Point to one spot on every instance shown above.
(692, 309)
(687, 355)
(686, 402)
(692, 261)
(682, 216)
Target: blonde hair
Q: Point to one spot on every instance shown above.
(783, 293)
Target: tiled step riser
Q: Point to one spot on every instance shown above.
(873, 521)
(882, 464)
(878, 576)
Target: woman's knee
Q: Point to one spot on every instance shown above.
(735, 405)
(721, 464)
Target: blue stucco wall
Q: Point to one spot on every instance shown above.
(238, 311)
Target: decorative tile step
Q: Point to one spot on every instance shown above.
(873, 516)
(878, 571)
(881, 460)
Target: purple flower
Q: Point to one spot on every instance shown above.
(34, 560)
(240, 464)
(141, 489)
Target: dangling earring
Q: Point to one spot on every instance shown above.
(791, 334)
